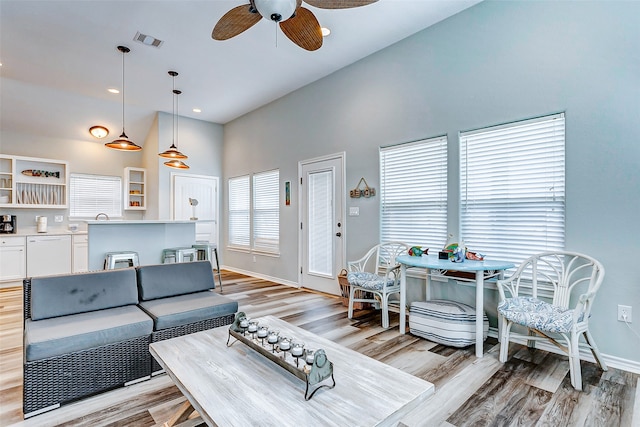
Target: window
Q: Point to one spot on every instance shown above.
(254, 212)
(94, 194)
(413, 193)
(512, 188)
(266, 211)
(239, 212)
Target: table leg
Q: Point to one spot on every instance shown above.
(181, 415)
(427, 285)
(403, 298)
(479, 312)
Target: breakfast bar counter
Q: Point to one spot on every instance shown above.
(146, 237)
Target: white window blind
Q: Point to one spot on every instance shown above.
(90, 195)
(320, 195)
(413, 193)
(239, 212)
(513, 188)
(266, 211)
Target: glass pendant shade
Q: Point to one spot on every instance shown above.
(173, 153)
(176, 164)
(123, 143)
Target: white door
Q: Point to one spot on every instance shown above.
(322, 193)
(196, 197)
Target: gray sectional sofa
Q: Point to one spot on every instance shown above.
(90, 332)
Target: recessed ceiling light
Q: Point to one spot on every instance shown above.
(197, 110)
(112, 90)
(325, 32)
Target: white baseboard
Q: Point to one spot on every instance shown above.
(260, 276)
(585, 354)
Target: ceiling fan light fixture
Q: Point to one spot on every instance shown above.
(99, 132)
(276, 10)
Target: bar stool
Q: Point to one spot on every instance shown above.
(112, 259)
(171, 255)
(204, 250)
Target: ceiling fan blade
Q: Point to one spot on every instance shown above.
(303, 29)
(236, 21)
(338, 4)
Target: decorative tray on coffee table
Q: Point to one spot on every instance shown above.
(311, 366)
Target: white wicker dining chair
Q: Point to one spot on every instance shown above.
(552, 294)
(376, 274)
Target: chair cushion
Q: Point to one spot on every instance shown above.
(67, 334)
(167, 280)
(537, 314)
(367, 280)
(185, 309)
(446, 322)
(53, 296)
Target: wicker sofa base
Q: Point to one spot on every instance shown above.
(61, 379)
(189, 328)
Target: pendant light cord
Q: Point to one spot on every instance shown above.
(173, 118)
(123, 53)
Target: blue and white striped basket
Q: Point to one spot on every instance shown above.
(446, 322)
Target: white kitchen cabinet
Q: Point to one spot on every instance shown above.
(80, 257)
(31, 182)
(12, 258)
(48, 254)
(135, 187)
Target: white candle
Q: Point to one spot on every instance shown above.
(262, 332)
(285, 344)
(244, 323)
(297, 350)
(273, 338)
(253, 326)
(310, 357)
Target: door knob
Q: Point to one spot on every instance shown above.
(338, 234)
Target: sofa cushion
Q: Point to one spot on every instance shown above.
(166, 280)
(190, 308)
(67, 334)
(53, 296)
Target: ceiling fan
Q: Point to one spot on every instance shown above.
(298, 23)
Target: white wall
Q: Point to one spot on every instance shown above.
(493, 63)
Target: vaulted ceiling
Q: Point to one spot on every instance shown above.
(59, 57)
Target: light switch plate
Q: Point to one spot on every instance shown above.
(354, 211)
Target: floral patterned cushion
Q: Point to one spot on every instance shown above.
(537, 314)
(368, 280)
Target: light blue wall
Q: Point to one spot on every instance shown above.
(201, 141)
(493, 63)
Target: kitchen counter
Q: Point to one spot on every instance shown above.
(31, 231)
(146, 237)
(136, 221)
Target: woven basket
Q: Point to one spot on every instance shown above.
(345, 288)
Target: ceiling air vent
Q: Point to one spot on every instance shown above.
(147, 40)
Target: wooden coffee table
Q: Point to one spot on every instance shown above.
(236, 386)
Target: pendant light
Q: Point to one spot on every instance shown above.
(173, 153)
(123, 143)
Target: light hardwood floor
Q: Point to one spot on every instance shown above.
(531, 389)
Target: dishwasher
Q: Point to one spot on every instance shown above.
(48, 255)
